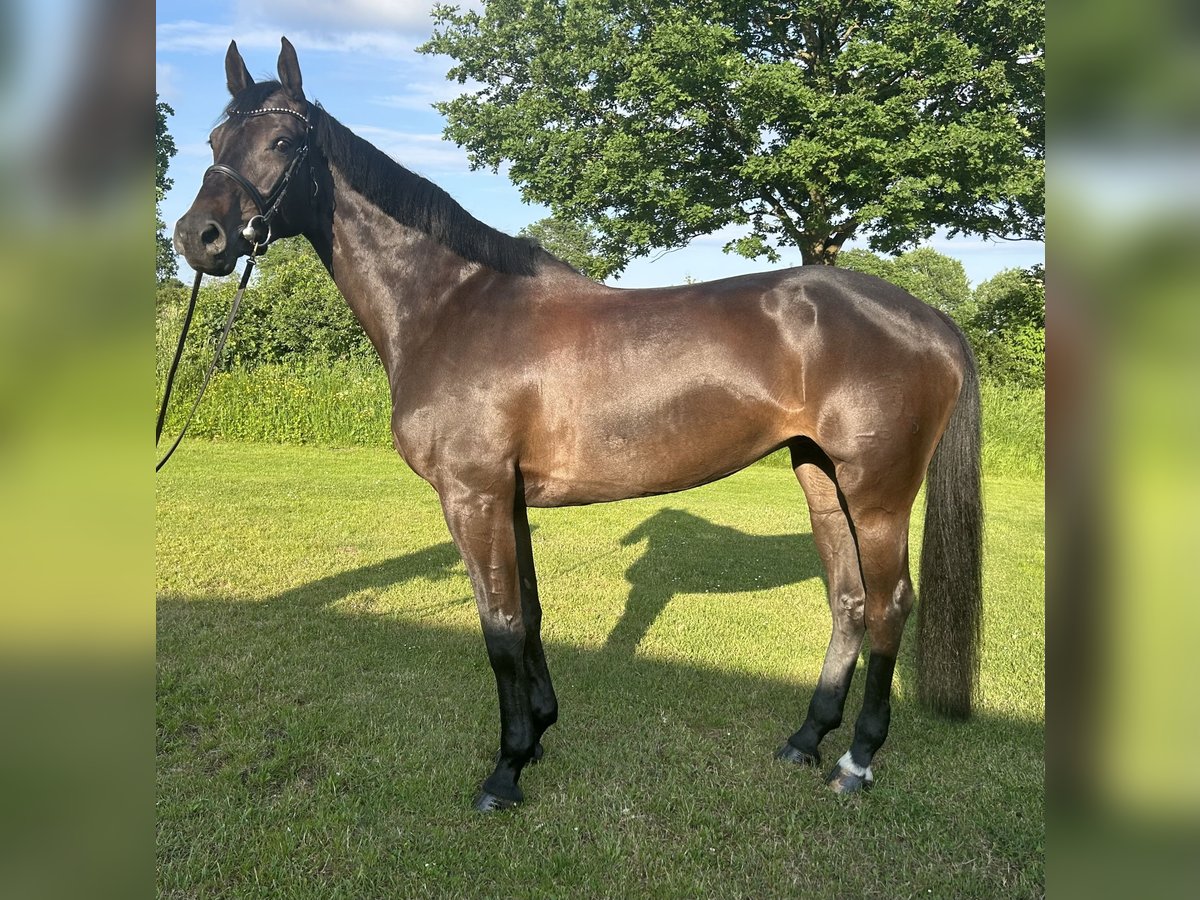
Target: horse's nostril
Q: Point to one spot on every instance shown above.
(211, 234)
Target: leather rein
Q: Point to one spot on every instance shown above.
(258, 232)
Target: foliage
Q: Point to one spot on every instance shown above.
(165, 266)
(571, 242)
(170, 293)
(1009, 326)
(333, 403)
(292, 312)
(939, 280)
(801, 123)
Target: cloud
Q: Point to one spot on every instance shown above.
(206, 37)
(164, 82)
(408, 16)
(417, 151)
(421, 95)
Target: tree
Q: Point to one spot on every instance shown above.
(803, 122)
(937, 279)
(165, 266)
(1009, 326)
(1012, 299)
(295, 312)
(571, 242)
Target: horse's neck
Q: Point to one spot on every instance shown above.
(394, 278)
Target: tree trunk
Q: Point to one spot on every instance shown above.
(820, 251)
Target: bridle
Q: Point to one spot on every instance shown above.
(258, 232)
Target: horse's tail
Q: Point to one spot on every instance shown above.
(950, 609)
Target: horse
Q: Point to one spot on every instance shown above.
(518, 382)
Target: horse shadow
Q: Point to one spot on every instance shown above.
(684, 554)
(438, 562)
(687, 554)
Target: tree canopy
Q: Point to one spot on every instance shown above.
(571, 242)
(294, 313)
(937, 279)
(798, 122)
(1008, 329)
(165, 265)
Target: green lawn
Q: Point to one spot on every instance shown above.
(326, 711)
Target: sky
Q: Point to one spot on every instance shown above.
(358, 59)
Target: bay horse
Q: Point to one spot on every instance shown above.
(516, 382)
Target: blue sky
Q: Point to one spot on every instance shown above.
(358, 60)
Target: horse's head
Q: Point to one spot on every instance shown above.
(262, 182)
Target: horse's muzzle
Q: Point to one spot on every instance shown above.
(206, 244)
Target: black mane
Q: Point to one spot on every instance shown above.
(417, 202)
(405, 196)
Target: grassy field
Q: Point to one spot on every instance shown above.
(326, 711)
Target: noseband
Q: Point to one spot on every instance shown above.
(258, 230)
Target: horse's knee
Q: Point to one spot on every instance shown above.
(848, 607)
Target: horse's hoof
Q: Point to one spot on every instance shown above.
(847, 778)
(788, 753)
(488, 802)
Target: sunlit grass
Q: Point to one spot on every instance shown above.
(325, 708)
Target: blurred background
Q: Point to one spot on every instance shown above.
(1123, 378)
(76, 493)
(76, 372)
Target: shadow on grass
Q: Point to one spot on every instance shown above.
(684, 554)
(687, 554)
(369, 727)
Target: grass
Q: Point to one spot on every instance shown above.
(325, 707)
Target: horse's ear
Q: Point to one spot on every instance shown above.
(237, 76)
(289, 71)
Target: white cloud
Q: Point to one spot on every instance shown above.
(410, 16)
(164, 82)
(421, 95)
(422, 153)
(206, 37)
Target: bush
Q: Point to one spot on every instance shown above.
(339, 403)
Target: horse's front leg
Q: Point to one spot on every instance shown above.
(482, 527)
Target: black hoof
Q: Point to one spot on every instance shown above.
(488, 802)
(842, 781)
(788, 753)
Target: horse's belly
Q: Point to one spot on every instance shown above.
(631, 450)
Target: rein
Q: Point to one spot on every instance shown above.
(258, 232)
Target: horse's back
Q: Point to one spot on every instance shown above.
(650, 391)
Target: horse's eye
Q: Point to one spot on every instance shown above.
(282, 144)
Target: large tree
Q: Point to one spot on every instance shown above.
(569, 241)
(800, 122)
(165, 265)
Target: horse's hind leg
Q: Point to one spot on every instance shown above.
(835, 543)
(883, 551)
